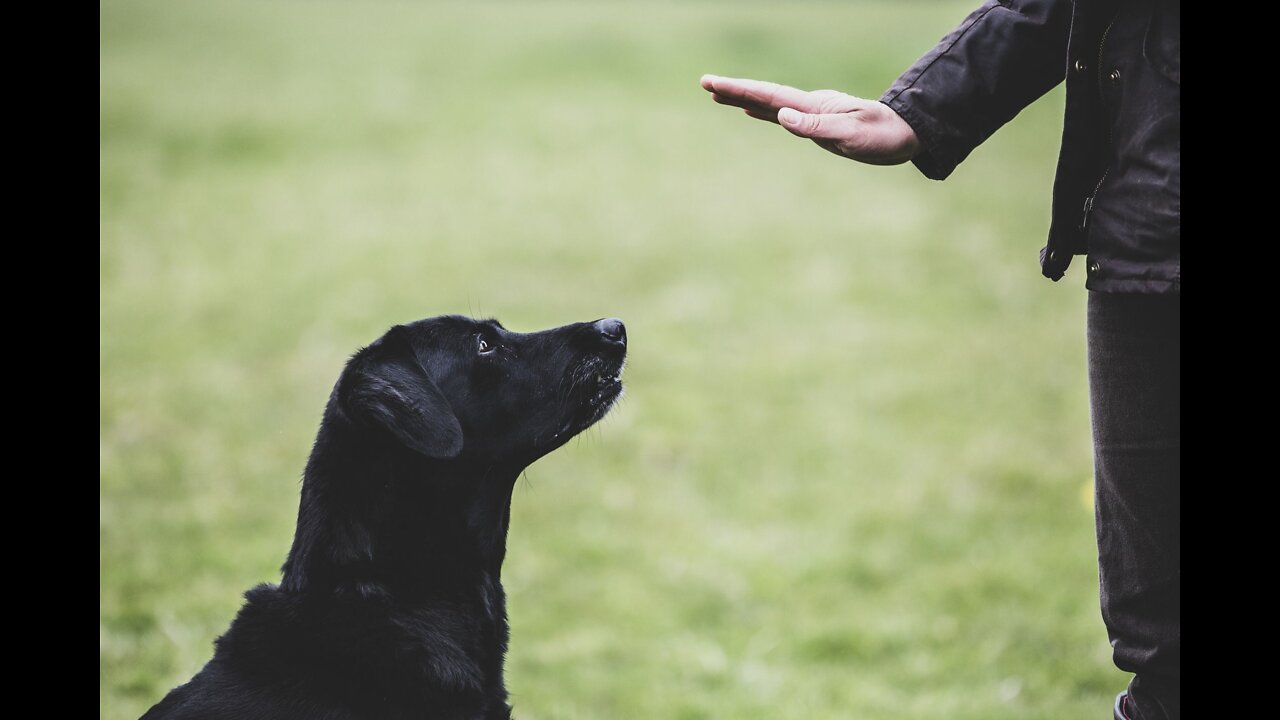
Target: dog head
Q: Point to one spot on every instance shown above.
(454, 388)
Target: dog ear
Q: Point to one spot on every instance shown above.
(397, 396)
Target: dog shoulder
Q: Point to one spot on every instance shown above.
(351, 647)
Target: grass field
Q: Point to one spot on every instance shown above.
(850, 477)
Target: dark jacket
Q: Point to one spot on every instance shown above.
(1116, 196)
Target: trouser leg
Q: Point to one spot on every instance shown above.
(1134, 380)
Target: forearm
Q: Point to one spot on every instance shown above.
(1000, 59)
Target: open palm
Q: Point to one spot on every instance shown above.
(862, 130)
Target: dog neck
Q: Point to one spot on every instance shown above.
(394, 522)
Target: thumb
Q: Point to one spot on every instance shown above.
(805, 125)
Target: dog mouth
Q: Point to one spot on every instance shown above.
(594, 388)
(608, 388)
(605, 381)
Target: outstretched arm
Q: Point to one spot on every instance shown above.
(1002, 57)
(862, 130)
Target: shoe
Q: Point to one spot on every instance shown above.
(1121, 709)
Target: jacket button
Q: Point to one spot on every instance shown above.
(1094, 266)
(1115, 76)
(1080, 66)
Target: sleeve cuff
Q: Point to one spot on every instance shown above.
(931, 160)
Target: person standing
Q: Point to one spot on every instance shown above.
(1116, 201)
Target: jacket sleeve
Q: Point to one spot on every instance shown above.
(1002, 57)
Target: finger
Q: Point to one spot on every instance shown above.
(758, 112)
(767, 115)
(753, 107)
(837, 126)
(760, 92)
(735, 102)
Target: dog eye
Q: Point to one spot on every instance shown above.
(485, 346)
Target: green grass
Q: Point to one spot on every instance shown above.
(850, 475)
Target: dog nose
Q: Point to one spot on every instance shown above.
(612, 331)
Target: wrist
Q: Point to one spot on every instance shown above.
(906, 141)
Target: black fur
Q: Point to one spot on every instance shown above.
(391, 604)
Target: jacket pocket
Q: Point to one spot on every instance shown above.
(1162, 46)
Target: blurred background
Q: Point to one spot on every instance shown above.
(850, 477)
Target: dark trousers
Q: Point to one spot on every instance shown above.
(1134, 380)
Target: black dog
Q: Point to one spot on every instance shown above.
(391, 605)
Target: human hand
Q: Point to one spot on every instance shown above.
(862, 130)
